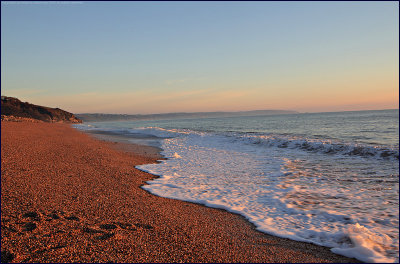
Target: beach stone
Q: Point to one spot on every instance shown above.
(6, 256)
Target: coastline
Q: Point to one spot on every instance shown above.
(68, 197)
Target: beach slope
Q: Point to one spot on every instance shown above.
(67, 197)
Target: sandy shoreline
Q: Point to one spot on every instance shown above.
(67, 197)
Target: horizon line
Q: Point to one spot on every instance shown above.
(296, 112)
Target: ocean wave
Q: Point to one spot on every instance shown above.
(324, 146)
(321, 146)
(160, 132)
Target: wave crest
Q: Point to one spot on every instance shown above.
(321, 146)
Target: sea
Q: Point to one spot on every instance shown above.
(331, 179)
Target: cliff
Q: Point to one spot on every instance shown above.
(14, 109)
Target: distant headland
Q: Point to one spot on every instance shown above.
(96, 117)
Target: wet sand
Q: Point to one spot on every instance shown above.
(68, 197)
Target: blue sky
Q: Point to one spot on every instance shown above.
(151, 57)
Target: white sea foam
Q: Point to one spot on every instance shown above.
(291, 142)
(321, 146)
(278, 189)
(343, 195)
(82, 126)
(367, 246)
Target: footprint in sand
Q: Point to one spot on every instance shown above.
(31, 215)
(108, 226)
(145, 226)
(91, 230)
(58, 247)
(54, 216)
(29, 226)
(126, 226)
(105, 236)
(72, 218)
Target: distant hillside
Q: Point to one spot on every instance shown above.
(13, 108)
(120, 117)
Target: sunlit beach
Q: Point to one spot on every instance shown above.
(199, 132)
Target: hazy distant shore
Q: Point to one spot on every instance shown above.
(98, 117)
(67, 197)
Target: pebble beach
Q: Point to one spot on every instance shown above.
(69, 197)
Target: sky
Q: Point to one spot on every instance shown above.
(160, 57)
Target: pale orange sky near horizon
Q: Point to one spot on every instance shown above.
(202, 56)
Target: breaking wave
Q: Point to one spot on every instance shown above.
(280, 141)
(322, 146)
